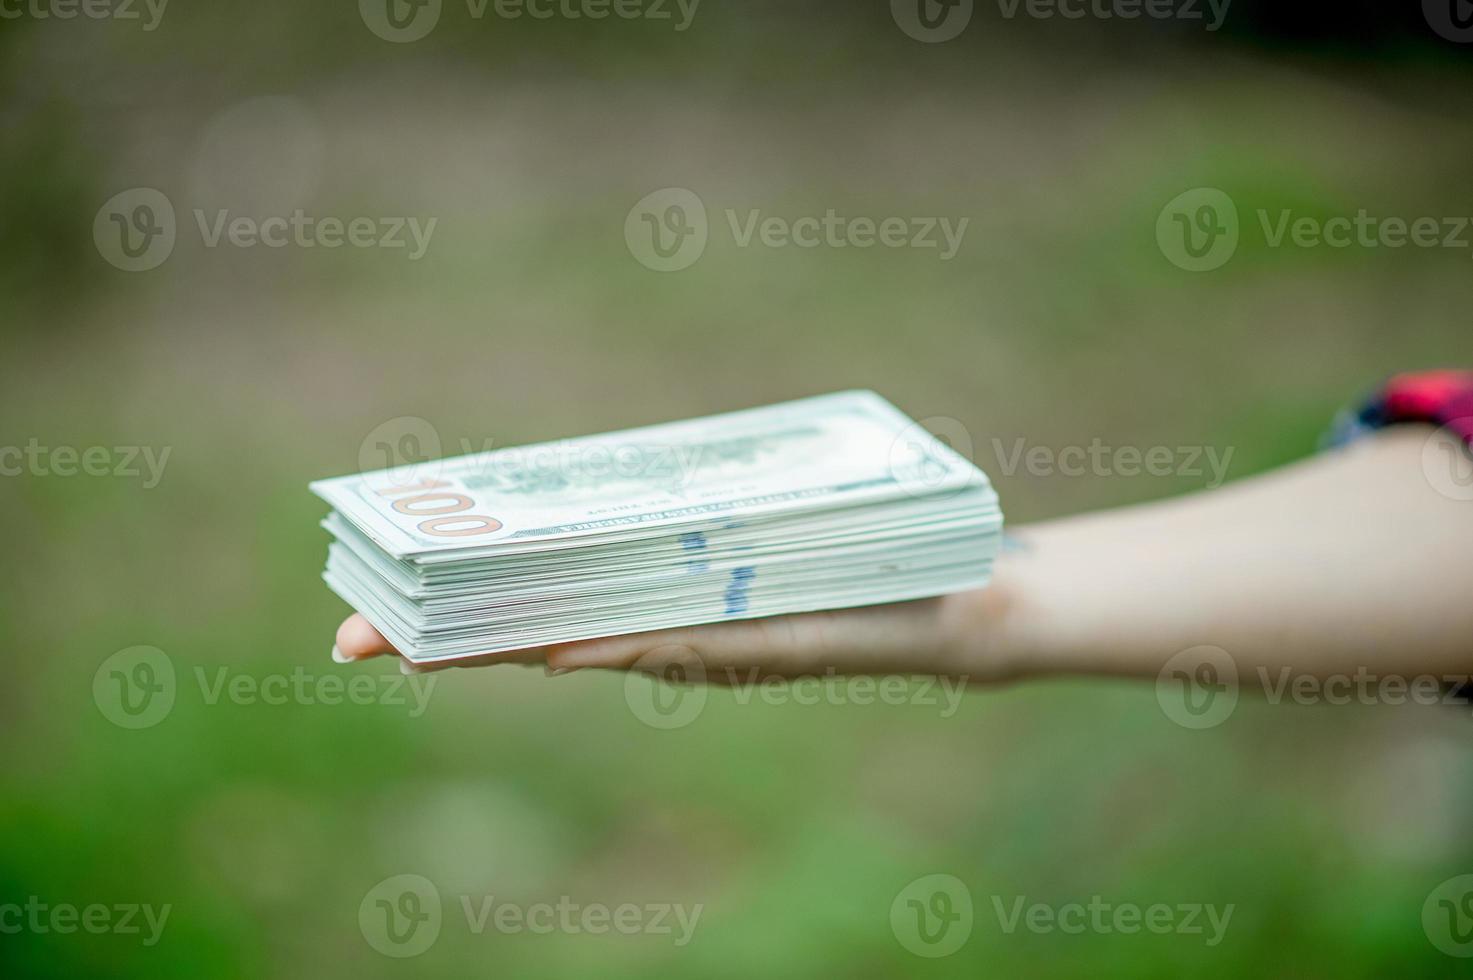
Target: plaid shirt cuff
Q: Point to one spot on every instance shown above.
(1442, 398)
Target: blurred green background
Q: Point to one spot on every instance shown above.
(1058, 322)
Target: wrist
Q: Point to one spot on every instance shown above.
(1050, 609)
(995, 631)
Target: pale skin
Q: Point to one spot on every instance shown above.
(1348, 560)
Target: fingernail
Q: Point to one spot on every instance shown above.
(339, 657)
(551, 671)
(406, 668)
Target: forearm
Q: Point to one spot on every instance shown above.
(1350, 559)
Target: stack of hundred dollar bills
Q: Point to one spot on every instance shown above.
(823, 503)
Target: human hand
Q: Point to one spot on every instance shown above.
(945, 636)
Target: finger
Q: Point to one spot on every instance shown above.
(865, 640)
(357, 639)
(719, 653)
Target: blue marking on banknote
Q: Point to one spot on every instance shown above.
(736, 589)
(695, 541)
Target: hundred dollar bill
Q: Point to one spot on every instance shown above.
(829, 452)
